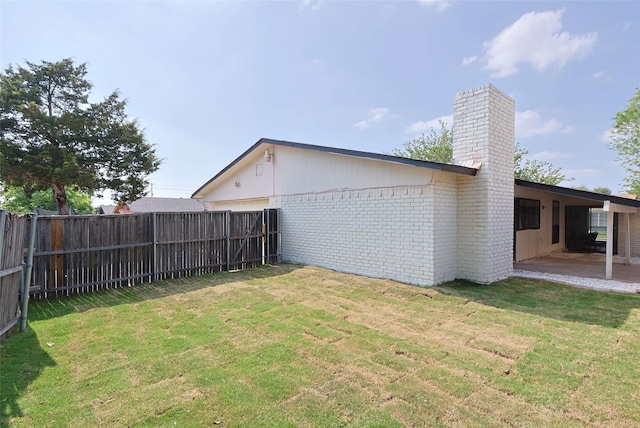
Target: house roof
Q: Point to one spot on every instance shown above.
(151, 204)
(345, 152)
(596, 197)
(628, 196)
(106, 209)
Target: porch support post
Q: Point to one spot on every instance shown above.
(609, 268)
(627, 240)
(610, 208)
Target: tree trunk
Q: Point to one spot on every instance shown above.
(60, 199)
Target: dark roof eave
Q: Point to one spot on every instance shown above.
(584, 194)
(457, 169)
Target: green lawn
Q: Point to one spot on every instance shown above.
(301, 346)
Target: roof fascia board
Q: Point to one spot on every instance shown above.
(376, 156)
(600, 197)
(457, 169)
(228, 167)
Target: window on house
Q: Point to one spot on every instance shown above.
(598, 223)
(555, 223)
(527, 214)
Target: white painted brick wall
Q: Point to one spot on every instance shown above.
(634, 223)
(378, 232)
(456, 227)
(483, 130)
(445, 234)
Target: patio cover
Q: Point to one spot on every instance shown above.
(610, 204)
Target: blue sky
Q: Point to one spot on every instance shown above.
(208, 79)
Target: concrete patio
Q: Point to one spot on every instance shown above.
(583, 265)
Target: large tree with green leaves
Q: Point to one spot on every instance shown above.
(433, 146)
(438, 147)
(535, 170)
(16, 200)
(625, 139)
(53, 137)
(603, 190)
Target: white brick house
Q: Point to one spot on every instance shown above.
(383, 216)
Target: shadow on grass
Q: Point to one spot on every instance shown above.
(52, 308)
(550, 300)
(22, 360)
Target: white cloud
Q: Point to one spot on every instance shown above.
(469, 60)
(536, 39)
(530, 123)
(312, 4)
(377, 115)
(425, 126)
(598, 74)
(607, 136)
(438, 5)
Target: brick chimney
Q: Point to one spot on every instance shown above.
(484, 135)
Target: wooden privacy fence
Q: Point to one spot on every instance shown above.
(80, 254)
(12, 292)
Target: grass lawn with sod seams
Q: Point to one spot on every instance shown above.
(303, 346)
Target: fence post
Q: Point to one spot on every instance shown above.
(26, 282)
(228, 232)
(154, 248)
(3, 223)
(279, 235)
(267, 233)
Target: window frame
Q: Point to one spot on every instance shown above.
(527, 214)
(555, 222)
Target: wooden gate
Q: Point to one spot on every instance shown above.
(253, 238)
(12, 239)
